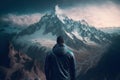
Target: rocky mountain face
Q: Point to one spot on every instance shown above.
(77, 34)
(20, 67)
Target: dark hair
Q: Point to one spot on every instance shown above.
(60, 40)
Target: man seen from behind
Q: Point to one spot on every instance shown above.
(60, 63)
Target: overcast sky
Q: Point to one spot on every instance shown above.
(100, 13)
(27, 6)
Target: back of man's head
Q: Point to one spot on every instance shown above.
(60, 40)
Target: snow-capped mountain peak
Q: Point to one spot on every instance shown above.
(76, 33)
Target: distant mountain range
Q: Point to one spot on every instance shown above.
(111, 30)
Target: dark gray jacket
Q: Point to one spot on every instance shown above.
(60, 64)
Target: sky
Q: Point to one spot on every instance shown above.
(98, 13)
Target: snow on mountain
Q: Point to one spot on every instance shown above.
(39, 37)
(77, 34)
(82, 30)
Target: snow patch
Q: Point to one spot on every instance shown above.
(69, 34)
(88, 41)
(61, 18)
(77, 35)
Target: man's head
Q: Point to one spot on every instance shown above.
(60, 40)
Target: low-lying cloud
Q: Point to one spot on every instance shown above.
(22, 20)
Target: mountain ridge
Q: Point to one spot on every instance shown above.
(74, 32)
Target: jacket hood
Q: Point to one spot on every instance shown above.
(59, 49)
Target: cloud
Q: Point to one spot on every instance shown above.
(105, 15)
(22, 20)
(58, 10)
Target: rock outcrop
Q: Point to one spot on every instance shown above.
(20, 67)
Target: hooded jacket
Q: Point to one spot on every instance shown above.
(60, 64)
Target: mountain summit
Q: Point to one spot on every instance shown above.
(76, 33)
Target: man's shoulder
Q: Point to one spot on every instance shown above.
(70, 53)
(50, 54)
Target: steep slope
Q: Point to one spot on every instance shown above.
(77, 34)
(108, 68)
(47, 30)
(20, 67)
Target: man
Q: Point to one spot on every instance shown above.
(60, 63)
